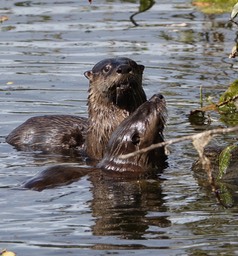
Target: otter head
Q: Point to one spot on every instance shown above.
(141, 129)
(116, 81)
(115, 91)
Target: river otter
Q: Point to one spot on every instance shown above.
(115, 91)
(142, 128)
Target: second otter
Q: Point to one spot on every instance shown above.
(140, 130)
(115, 91)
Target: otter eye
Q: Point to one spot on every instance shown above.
(106, 68)
(135, 138)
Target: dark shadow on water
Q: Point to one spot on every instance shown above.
(126, 208)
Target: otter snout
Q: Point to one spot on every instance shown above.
(124, 69)
(160, 96)
(157, 98)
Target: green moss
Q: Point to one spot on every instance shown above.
(214, 6)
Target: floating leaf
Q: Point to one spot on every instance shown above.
(145, 5)
(234, 11)
(234, 52)
(7, 253)
(3, 18)
(224, 160)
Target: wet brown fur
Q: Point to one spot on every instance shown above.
(115, 91)
(48, 133)
(108, 108)
(141, 129)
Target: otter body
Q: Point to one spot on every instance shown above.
(141, 129)
(47, 133)
(115, 91)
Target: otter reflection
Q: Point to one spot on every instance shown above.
(126, 208)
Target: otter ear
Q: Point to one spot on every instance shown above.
(89, 75)
(135, 138)
(141, 67)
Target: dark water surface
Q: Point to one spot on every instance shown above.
(45, 47)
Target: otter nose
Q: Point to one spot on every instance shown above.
(124, 69)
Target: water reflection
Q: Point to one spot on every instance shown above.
(124, 207)
(129, 209)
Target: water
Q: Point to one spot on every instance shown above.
(45, 47)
